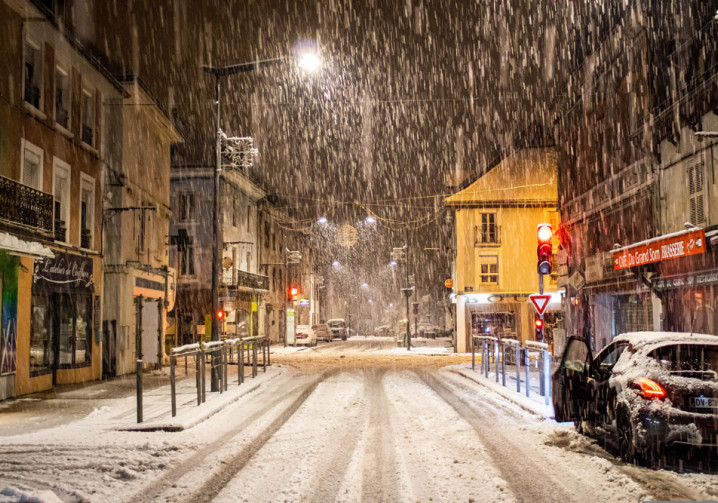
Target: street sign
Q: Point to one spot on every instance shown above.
(540, 302)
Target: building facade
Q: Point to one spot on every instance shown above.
(54, 139)
(496, 219)
(242, 287)
(136, 230)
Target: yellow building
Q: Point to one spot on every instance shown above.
(496, 262)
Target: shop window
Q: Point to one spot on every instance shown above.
(61, 191)
(61, 331)
(695, 191)
(33, 74)
(40, 333)
(87, 211)
(88, 117)
(32, 158)
(62, 98)
(489, 267)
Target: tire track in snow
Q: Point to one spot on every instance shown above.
(528, 480)
(214, 484)
(378, 484)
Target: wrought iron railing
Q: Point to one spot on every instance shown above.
(23, 205)
(244, 279)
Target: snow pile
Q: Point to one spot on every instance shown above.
(15, 494)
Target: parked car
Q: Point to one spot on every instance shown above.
(382, 331)
(648, 390)
(305, 336)
(338, 328)
(321, 332)
(426, 330)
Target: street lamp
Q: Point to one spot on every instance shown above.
(305, 61)
(322, 220)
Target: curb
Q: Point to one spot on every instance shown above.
(508, 396)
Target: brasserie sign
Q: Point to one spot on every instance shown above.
(680, 244)
(65, 269)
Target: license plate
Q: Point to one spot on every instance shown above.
(701, 402)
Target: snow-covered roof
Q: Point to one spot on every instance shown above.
(655, 339)
(16, 246)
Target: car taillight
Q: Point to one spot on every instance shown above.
(649, 388)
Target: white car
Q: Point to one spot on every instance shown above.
(305, 336)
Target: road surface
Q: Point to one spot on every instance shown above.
(347, 421)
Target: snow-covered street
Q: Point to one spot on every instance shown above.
(346, 421)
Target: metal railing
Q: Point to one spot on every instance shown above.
(23, 205)
(244, 279)
(215, 354)
(493, 350)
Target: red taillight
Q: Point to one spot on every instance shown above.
(649, 388)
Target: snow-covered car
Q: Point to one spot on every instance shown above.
(338, 328)
(647, 390)
(305, 336)
(426, 330)
(382, 331)
(321, 331)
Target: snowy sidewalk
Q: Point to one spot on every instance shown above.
(535, 403)
(112, 405)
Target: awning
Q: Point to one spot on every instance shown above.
(15, 246)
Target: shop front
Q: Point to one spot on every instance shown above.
(64, 343)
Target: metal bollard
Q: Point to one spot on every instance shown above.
(542, 383)
(198, 378)
(473, 353)
(264, 356)
(138, 369)
(254, 358)
(203, 363)
(547, 376)
(517, 357)
(486, 359)
(269, 358)
(185, 365)
(503, 364)
(173, 387)
(528, 375)
(496, 359)
(226, 363)
(240, 362)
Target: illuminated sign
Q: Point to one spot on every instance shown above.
(678, 245)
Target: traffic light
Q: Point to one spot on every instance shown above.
(293, 293)
(539, 329)
(221, 314)
(544, 234)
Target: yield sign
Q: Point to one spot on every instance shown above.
(540, 302)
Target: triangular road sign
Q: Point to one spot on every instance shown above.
(540, 302)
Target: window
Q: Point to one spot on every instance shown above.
(249, 218)
(62, 98)
(695, 190)
(61, 190)
(87, 211)
(488, 231)
(33, 74)
(32, 158)
(489, 267)
(234, 213)
(609, 356)
(187, 259)
(266, 234)
(186, 207)
(249, 261)
(88, 117)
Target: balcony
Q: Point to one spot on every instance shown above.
(24, 206)
(244, 280)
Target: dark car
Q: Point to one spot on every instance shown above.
(646, 390)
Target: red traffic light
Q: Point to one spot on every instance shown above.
(293, 291)
(544, 233)
(539, 323)
(220, 314)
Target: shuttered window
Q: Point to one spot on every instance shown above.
(696, 193)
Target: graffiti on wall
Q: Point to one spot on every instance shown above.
(8, 337)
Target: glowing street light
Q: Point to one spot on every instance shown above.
(335, 263)
(365, 284)
(322, 220)
(370, 219)
(392, 263)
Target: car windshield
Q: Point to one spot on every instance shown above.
(335, 324)
(688, 357)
